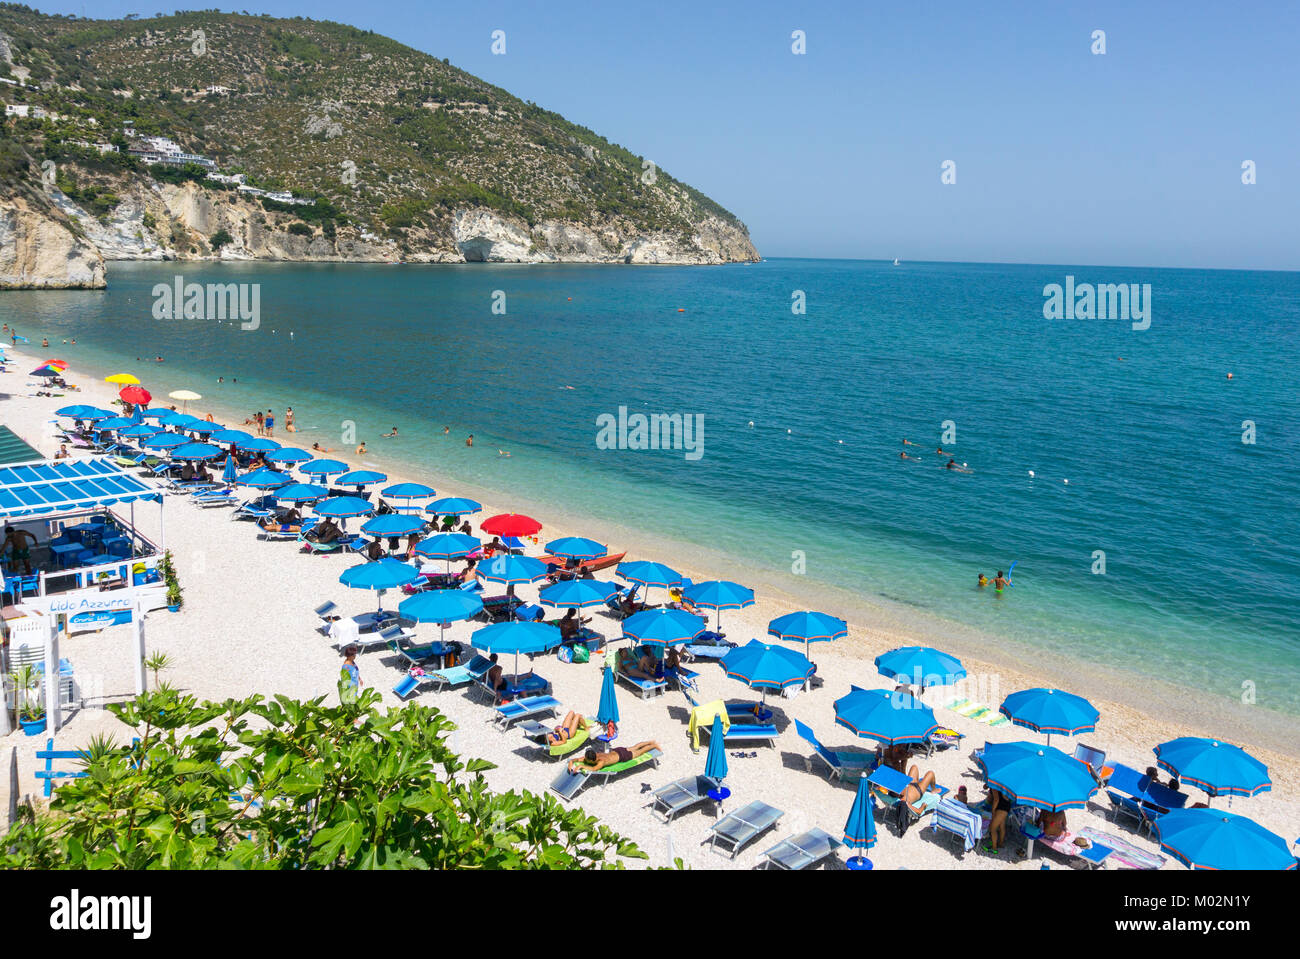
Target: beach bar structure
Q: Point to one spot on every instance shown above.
(91, 567)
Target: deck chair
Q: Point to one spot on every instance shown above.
(328, 612)
(1095, 760)
(739, 828)
(417, 677)
(536, 733)
(738, 710)
(530, 686)
(526, 708)
(942, 739)
(959, 821)
(837, 762)
(645, 687)
(280, 531)
(745, 734)
(215, 497)
(261, 508)
(679, 796)
(802, 851)
(567, 785)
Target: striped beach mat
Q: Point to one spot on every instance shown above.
(978, 712)
(1123, 852)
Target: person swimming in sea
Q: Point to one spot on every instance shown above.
(983, 581)
(952, 465)
(904, 456)
(501, 452)
(393, 433)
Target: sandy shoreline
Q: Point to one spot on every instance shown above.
(267, 645)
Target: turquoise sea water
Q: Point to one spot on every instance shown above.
(1199, 529)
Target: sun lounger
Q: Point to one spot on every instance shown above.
(537, 732)
(738, 710)
(746, 734)
(418, 677)
(521, 689)
(646, 687)
(837, 762)
(1095, 760)
(527, 708)
(679, 796)
(1122, 852)
(568, 784)
(739, 828)
(215, 498)
(802, 851)
(280, 531)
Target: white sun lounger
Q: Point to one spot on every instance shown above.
(743, 826)
(679, 796)
(513, 712)
(801, 851)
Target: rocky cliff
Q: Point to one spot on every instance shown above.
(41, 249)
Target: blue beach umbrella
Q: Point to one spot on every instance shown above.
(715, 763)
(115, 423)
(289, 455)
(860, 827)
(392, 524)
(408, 491)
(577, 593)
(663, 627)
(83, 411)
(178, 421)
(1215, 839)
(264, 478)
(301, 493)
(139, 431)
(257, 444)
(765, 666)
(230, 436)
(920, 666)
(360, 478)
(204, 428)
(1050, 711)
(165, 441)
(324, 467)
(154, 413)
(342, 507)
(196, 451)
(1038, 776)
(510, 569)
(648, 574)
(718, 595)
(1215, 767)
(886, 716)
(576, 547)
(440, 606)
(808, 627)
(379, 575)
(516, 637)
(231, 472)
(454, 506)
(448, 546)
(607, 712)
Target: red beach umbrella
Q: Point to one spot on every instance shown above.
(136, 395)
(510, 524)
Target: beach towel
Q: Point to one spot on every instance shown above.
(574, 742)
(1123, 852)
(959, 818)
(702, 715)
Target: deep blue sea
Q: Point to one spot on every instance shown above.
(1199, 529)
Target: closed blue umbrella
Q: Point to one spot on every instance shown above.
(886, 716)
(324, 467)
(765, 666)
(663, 627)
(231, 472)
(512, 570)
(360, 478)
(454, 506)
(608, 710)
(920, 666)
(289, 455)
(576, 547)
(1215, 839)
(577, 593)
(301, 493)
(1050, 711)
(196, 451)
(440, 606)
(341, 507)
(715, 763)
(718, 595)
(1038, 776)
(264, 478)
(257, 444)
(165, 441)
(392, 524)
(1217, 768)
(516, 637)
(860, 827)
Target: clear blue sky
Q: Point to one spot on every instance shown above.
(1129, 158)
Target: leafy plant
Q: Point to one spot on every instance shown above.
(156, 664)
(286, 784)
(220, 239)
(167, 568)
(23, 681)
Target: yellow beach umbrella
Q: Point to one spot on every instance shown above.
(185, 396)
(125, 379)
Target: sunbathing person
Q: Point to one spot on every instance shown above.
(470, 575)
(1052, 824)
(565, 730)
(497, 678)
(570, 625)
(592, 760)
(921, 794)
(637, 670)
(326, 532)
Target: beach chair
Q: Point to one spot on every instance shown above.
(887, 785)
(328, 612)
(738, 710)
(959, 821)
(280, 531)
(679, 796)
(536, 733)
(261, 508)
(1095, 760)
(802, 851)
(1126, 789)
(708, 646)
(644, 687)
(747, 734)
(215, 498)
(742, 827)
(417, 677)
(568, 784)
(522, 689)
(526, 708)
(837, 762)
(940, 740)
(500, 608)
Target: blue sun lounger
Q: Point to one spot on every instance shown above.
(446, 678)
(738, 710)
(739, 828)
(519, 709)
(679, 796)
(837, 762)
(646, 687)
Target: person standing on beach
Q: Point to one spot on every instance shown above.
(349, 677)
(288, 421)
(257, 418)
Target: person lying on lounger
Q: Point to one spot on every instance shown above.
(497, 678)
(638, 669)
(326, 532)
(565, 730)
(592, 760)
(921, 794)
(1052, 823)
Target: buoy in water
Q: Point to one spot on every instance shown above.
(681, 309)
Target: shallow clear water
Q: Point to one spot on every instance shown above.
(1199, 529)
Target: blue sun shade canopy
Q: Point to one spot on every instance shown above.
(59, 486)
